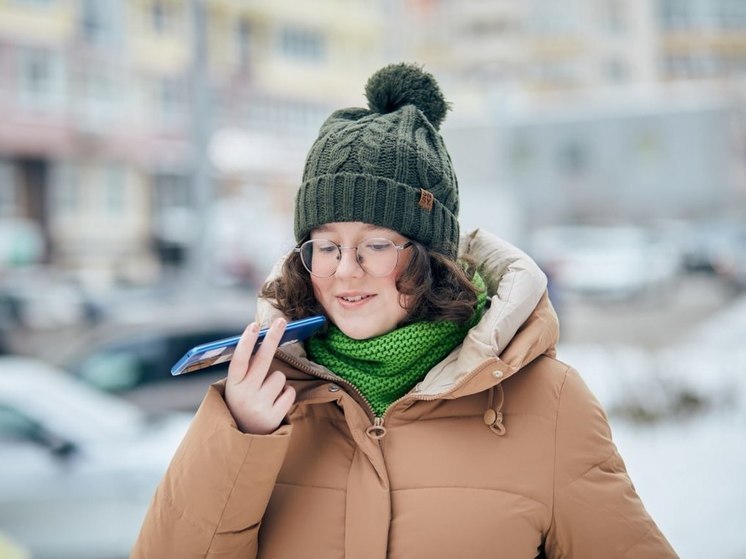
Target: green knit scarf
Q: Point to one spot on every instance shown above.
(386, 367)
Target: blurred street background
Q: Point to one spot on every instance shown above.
(150, 151)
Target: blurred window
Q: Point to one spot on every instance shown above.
(556, 73)
(302, 44)
(171, 190)
(100, 22)
(616, 70)
(165, 17)
(700, 65)
(65, 189)
(35, 2)
(100, 93)
(553, 18)
(732, 14)
(522, 154)
(100, 98)
(490, 27)
(115, 187)
(615, 16)
(647, 146)
(244, 38)
(94, 21)
(275, 114)
(158, 16)
(41, 76)
(170, 99)
(674, 14)
(679, 66)
(97, 84)
(573, 158)
(8, 191)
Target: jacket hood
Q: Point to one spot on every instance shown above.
(518, 325)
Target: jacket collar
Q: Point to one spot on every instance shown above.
(518, 326)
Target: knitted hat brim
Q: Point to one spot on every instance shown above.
(343, 197)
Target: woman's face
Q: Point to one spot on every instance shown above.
(360, 305)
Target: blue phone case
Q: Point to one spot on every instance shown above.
(221, 351)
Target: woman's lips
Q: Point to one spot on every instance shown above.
(352, 301)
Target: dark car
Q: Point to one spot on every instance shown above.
(136, 363)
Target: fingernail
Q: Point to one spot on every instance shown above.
(253, 328)
(280, 322)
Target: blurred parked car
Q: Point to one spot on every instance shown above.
(77, 466)
(41, 298)
(607, 263)
(134, 361)
(708, 244)
(731, 261)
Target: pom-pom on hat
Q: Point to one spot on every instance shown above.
(386, 165)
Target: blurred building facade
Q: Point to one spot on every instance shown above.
(541, 48)
(109, 109)
(595, 110)
(97, 103)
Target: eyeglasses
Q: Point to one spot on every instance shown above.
(378, 257)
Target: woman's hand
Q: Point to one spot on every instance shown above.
(257, 400)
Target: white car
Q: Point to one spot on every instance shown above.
(77, 467)
(607, 263)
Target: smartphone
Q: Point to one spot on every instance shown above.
(221, 351)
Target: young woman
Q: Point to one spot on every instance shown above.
(431, 418)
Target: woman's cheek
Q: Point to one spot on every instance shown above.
(318, 291)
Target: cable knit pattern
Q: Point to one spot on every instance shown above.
(342, 146)
(388, 366)
(370, 148)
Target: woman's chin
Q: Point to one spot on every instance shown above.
(362, 331)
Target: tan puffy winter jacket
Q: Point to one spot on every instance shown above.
(487, 457)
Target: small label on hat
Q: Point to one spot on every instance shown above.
(426, 199)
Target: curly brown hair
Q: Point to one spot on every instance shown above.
(439, 288)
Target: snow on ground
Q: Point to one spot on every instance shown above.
(724, 330)
(690, 476)
(679, 419)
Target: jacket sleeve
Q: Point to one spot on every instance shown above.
(212, 498)
(596, 510)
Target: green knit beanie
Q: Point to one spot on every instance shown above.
(385, 165)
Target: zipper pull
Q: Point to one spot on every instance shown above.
(376, 431)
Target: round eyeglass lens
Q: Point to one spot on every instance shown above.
(320, 257)
(378, 257)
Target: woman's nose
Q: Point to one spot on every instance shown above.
(348, 265)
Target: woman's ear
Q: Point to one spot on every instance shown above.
(405, 301)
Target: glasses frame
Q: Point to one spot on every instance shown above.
(340, 248)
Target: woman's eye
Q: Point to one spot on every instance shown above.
(327, 249)
(377, 246)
